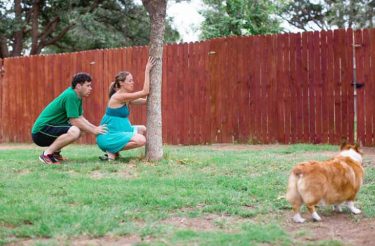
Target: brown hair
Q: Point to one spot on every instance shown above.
(121, 76)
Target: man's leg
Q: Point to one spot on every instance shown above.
(63, 140)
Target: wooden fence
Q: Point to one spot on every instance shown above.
(285, 88)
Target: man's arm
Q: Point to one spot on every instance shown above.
(83, 124)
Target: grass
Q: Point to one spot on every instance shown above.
(230, 192)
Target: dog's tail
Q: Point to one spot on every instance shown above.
(292, 195)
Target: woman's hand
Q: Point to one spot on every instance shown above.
(150, 63)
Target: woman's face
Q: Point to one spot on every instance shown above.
(128, 83)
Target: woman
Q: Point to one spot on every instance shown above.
(121, 135)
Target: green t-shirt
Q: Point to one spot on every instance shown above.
(67, 105)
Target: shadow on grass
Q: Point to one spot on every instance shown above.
(102, 159)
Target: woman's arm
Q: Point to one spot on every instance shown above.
(139, 101)
(131, 96)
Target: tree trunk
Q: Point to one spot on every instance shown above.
(34, 28)
(4, 52)
(154, 146)
(18, 34)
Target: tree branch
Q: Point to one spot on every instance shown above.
(49, 28)
(58, 37)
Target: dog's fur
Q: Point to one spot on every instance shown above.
(329, 182)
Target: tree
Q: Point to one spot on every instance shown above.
(157, 11)
(238, 17)
(53, 26)
(328, 14)
(112, 24)
(33, 25)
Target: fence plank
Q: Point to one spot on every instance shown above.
(348, 78)
(370, 87)
(359, 54)
(2, 71)
(293, 85)
(254, 87)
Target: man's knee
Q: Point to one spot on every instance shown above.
(74, 132)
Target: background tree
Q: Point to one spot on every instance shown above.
(328, 14)
(50, 26)
(157, 12)
(238, 17)
(112, 24)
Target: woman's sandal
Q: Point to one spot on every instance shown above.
(106, 158)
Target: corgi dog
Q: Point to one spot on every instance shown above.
(334, 181)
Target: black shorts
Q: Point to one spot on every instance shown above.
(49, 133)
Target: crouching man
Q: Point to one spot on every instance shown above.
(61, 122)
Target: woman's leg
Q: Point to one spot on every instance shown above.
(138, 140)
(141, 129)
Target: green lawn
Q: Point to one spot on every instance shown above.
(229, 197)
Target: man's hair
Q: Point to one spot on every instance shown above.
(80, 78)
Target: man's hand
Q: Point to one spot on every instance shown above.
(101, 129)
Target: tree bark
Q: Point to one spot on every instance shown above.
(157, 12)
(34, 28)
(18, 34)
(4, 52)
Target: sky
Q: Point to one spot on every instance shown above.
(186, 18)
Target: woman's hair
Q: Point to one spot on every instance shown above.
(115, 85)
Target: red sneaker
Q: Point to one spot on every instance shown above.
(48, 159)
(59, 157)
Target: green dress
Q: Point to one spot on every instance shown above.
(119, 132)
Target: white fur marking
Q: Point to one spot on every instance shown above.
(298, 219)
(316, 216)
(353, 208)
(351, 153)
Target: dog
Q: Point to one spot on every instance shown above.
(334, 182)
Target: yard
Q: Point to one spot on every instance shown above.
(200, 195)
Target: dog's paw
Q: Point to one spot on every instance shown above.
(352, 208)
(316, 216)
(355, 210)
(298, 219)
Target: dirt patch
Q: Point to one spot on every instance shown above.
(206, 223)
(245, 146)
(17, 146)
(107, 240)
(341, 227)
(96, 175)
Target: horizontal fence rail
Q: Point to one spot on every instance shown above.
(286, 88)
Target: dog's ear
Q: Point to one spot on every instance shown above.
(343, 144)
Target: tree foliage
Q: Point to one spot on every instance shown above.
(238, 17)
(329, 14)
(49, 26)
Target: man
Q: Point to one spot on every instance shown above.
(61, 122)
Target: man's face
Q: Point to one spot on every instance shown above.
(84, 90)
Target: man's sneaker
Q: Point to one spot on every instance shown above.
(48, 159)
(59, 157)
